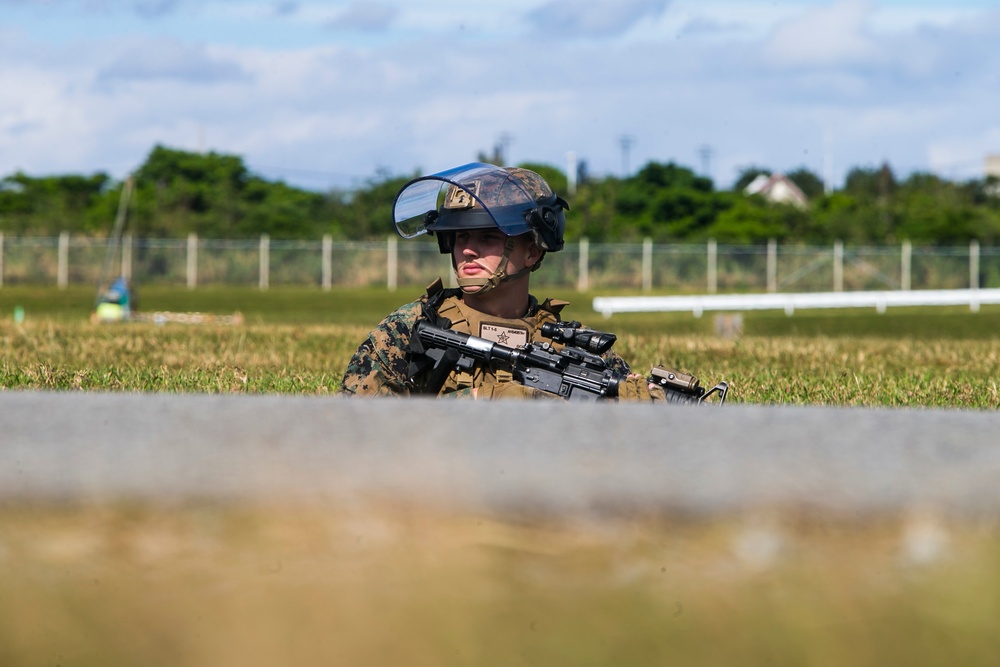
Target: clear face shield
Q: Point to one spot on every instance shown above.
(472, 196)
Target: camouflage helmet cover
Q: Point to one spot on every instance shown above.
(481, 196)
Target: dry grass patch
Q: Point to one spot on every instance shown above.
(210, 585)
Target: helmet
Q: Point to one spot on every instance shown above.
(480, 196)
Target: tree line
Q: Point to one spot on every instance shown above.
(216, 196)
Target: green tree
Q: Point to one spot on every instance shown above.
(871, 183)
(216, 196)
(51, 204)
(810, 184)
(365, 213)
(593, 211)
(752, 220)
(665, 202)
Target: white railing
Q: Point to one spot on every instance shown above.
(878, 299)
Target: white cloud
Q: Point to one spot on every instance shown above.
(557, 19)
(958, 156)
(152, 9)
(45, 123)
(170, 59)
(826, 36)
(365, 16)
(750, 20)
(759, 82)
(910, 17)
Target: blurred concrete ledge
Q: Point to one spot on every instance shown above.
(536, 457)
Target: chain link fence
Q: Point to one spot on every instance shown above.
(641, 267)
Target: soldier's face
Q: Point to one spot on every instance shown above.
(477, 252)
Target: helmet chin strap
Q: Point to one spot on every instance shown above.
(498, 276)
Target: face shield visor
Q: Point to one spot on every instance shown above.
(472, 196)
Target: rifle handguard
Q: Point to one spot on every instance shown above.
(684, 388)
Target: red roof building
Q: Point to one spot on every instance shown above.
(777, 188)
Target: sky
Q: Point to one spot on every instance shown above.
(327, 94)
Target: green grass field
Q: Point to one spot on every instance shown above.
(196, 584)
(299, 341)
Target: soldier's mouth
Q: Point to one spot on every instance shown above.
(473, 267)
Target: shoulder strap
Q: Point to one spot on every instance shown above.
(431, 301)
(426, 370)
(553, 306)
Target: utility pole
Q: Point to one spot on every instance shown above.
(625, 141)
(706, 159)
(503, 144)
(571, 172)
(827, 160)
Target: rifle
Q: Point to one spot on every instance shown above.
(575, 372)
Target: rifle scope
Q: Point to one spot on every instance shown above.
(572, 333)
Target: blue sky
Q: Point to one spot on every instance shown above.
(328, 94)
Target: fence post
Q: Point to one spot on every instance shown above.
(647, 264)
(1, 259)
(265, 262)
(973, 264)
(392, 268)
(838, 266)
(713, 266)
(906, 270)
(62, 272)
(772, 265)
(974, 275)
(192, 261)
(127, 257)
(327, 262)
(583, 279)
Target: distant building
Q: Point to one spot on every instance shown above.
(993, 165)
(777, 188)
(993, 169)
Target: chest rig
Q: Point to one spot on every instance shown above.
(445, 308)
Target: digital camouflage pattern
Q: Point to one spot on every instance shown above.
(531, 181)
(379, 366)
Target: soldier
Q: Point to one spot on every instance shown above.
(497, 224)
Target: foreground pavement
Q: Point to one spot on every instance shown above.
(517, 457)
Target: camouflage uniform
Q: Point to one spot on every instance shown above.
(476, 196)
(380, 365)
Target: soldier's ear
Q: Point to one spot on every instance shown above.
(534, 254)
